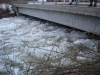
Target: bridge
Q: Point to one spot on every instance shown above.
(77, 16)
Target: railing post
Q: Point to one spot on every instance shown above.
(43, 2)
(55, 2)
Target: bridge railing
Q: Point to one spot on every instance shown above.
(19, 1)
(38, 1)
(43, 1)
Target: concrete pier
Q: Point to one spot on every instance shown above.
(80, 17)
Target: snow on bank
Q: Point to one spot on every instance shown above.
(26, 41)
(6, 6)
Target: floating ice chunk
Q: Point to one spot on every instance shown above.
(63, 46)
(75, 35)
(16, 70)
(81, 58)
(79, 41)
(51, 28)
(66, 62)
(88, 43)
(2, 67)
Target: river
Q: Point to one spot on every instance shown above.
(30, 45)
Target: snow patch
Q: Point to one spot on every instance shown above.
(6, 6)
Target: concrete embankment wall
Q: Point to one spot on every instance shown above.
(83, 18)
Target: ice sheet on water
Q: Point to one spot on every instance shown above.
(28, 40)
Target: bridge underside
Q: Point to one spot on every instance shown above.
(80, 21)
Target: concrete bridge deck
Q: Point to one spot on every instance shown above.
(79, 9)
(77, 16)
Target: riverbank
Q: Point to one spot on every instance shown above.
(6, 11)
(4, 14)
